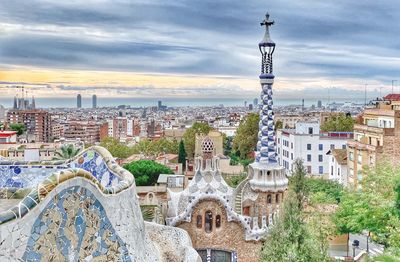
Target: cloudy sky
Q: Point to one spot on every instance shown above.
(189, 48)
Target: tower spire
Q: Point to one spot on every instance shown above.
(266, 147)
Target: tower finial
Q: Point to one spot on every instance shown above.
(267, 39)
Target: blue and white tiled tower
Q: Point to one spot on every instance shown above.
(265, 173)
(266, 148)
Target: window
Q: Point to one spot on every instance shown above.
(291, 156)
(320, 147)
(320, 158)
(246, 211)
(269, 199)
(291, 145)
(343, 146)
(310, 130)
(277, 198)
(208, 222)
(199, 221)
(279, 140)
(309, 169)
(332, 146)
(308, 146)
(359, 158)
(308, 158)
(351, 156)
(331, 170)
(321, 169)
(218, 221)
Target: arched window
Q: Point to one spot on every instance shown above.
(199, 221)
(217, 221)
(277, 198)
(269, 199)
(208, 222)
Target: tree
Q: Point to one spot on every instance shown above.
(245, 141)
(182, 155)
(291, 238)
(373, 207)
(116, 148)
(190, 136)
(340, 123)
(19, 128)
(146, 172)
(278, 124)
(66, 152)
(323, 191)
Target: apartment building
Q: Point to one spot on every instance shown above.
(376, 138)
(37, 123)
(308, 143)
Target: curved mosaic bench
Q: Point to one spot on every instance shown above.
(87, 209)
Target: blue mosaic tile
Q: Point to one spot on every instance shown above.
(76, 220)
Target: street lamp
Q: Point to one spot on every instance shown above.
(355, 244)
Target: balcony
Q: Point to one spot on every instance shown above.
(362, 146)
(373, 129)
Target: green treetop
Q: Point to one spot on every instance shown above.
(339, 123)
(146, 172)
(182, 154)
(245, 141)
(19, 128)
(291, 237)
(190, 137)
(373, 207)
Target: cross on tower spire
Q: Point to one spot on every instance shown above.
(267, 22)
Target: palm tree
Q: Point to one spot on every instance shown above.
(66, 152)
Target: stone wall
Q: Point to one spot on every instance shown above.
(229, 236)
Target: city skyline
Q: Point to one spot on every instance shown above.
(184, 49)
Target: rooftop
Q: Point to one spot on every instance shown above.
(392, 97)
(7, 133)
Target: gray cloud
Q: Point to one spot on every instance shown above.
(336, 40)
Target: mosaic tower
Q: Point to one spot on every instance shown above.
(265, 173)
(266, 147)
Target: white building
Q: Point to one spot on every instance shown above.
(2, 113)
(228, 130)
(110, 127)
(338, 166)
(309, 144)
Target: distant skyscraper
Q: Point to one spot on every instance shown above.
(79, 101)
(302, 104)
(159, 104)
(250, 107)
(94, 101)
(255, 102)
(319, 103)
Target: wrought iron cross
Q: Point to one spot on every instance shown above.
(267, 22)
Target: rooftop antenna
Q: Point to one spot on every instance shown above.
(393, 85)
(365, 94)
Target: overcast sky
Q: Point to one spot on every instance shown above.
(197, 48)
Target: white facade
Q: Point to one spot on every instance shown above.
(228, 130)
(337, 170)
(2, 113)
(309, 144)
(110, 127)
(129, 127)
